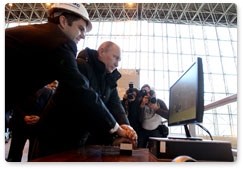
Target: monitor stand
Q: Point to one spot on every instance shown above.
(188, 135)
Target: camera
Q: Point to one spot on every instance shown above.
(130, 94)
(142, 93)
(152, 100)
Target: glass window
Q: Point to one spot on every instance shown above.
(187, 61)
(226, 48)
(172, 45)
(208, 120)
(197, 32)
(165, 45)
(218, 83)
(144, 60)
(208, 96)
(233, 107)
(158, 45)
(105, 27)
(117, 28)
(151, 61)
(163, 95)
(144, 28)
(229, 65)
(234, 46)
(171, 30)
(210, 32)
(144, 43)
(173, 77)
(231, 82)
(166, 61)
(164, 29)
(146, 77)
(223, 33)
(158, 29)
(185, 46)
(173, 62)
(126, 43)
(151, 42)
(94, 30)
(102, 39)
(124, 61)
(151, 28)
(130, 28)
(159, 61)
(215, 65)
(159, 80)
(199, 46)
(184, 31)
(224, 130)
(218, 96)
(212, 47)
(233, 33)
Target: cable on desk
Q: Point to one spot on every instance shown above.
(205, 130)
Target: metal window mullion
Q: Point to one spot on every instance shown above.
(220, 57)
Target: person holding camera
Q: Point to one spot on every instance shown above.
(151, 114)
(130, 103)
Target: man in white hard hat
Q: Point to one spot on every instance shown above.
(41, 53)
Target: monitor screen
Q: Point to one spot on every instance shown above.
(186, 101)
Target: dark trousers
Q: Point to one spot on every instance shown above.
(143, 136)
(18, 140)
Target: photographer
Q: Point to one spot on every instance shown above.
(130, 103)
(151, 114)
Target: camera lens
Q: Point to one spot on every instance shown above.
(143, 93)
(152, 100)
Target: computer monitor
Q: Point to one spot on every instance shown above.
(186, 99)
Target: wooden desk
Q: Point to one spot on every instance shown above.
(98, 153)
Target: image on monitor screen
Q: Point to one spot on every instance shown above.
(186, 100)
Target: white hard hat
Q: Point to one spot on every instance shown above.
(77, 8)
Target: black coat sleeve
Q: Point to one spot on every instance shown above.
(115, 106)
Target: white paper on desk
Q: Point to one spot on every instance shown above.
(163, 147)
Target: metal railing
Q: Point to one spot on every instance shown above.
(224, 101)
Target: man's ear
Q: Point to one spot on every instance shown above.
(62, 21)
(101, 51)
